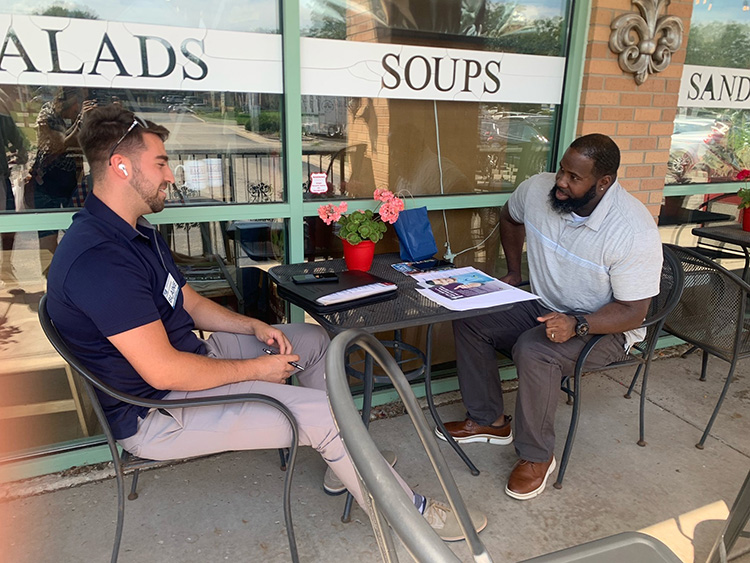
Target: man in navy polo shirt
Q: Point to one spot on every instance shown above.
(121, 304)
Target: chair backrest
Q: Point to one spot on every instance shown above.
(711, 311)
(670, 289)
(90, 381)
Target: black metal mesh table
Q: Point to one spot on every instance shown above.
(732, 234)
(409, 309)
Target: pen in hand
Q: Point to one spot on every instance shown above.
(271, 352)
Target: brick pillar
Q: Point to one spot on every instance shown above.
(639, 118)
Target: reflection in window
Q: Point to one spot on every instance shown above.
(351, 146)
(223, 261)
(531, 26)
(719, 43)
(708, 146)
(224, 147)
(713, 144)
(261, 16)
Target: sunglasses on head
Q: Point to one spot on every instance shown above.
(137, 122)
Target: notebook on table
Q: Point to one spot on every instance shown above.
(352, 289)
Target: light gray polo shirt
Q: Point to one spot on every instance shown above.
(615, 253)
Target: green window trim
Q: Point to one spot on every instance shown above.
(696, 189)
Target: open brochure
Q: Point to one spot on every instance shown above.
(461, 289)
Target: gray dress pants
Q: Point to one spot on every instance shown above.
(541, 364)
(198, 431)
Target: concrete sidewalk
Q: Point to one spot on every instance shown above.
(228, 507)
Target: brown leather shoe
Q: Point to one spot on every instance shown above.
(529, 478)
(469, 431)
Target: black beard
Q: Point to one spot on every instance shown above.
(570, 205)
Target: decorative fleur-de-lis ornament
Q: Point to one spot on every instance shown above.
(645, 42)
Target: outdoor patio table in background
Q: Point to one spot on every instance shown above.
(731, 234)
(682, 215)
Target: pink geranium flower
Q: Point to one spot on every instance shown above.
(364, 225)
(331, 213)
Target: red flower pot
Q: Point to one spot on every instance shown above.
(746, 218)
(359, 256)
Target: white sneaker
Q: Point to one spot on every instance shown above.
(333, 486)
(443, 520)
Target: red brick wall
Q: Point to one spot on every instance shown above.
(639, 118)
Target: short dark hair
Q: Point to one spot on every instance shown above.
(103, 126)
(602, 150)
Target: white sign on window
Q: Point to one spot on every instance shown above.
(104, 54)
(715, 87)
(318, 182)
(380, 70)
(39, 50)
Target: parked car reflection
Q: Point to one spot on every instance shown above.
(512, 148)
(696, 152)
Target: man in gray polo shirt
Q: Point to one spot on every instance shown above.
(594, 256)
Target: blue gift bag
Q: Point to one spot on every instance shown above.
(415, 235)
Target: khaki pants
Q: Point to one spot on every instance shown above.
(190, 432)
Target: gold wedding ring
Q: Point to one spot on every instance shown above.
(553, 336)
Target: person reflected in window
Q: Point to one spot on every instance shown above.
(57, 169)
(595, 257)
(12, 151)
(123, 307)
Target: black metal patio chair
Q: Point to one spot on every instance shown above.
(711, 317)
(640, 354)
(125, 461)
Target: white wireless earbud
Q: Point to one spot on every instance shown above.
(124, 170)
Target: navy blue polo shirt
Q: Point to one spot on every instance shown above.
(107, 278)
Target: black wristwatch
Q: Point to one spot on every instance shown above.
(582, 326)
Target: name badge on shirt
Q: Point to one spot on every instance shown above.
(171, 289)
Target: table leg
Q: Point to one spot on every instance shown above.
(366, 409)
(433, 410)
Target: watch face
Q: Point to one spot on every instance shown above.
(582, 327)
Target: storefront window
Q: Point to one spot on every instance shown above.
(218, 90)
(484, 147)
(224, 147)
(42, 402)
(213, 78)
(435, 108)
(260, 16)
(711, 140)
